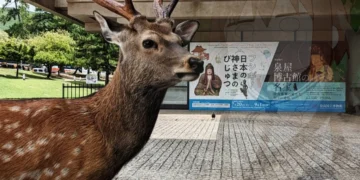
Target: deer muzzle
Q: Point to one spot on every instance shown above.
(196, 65)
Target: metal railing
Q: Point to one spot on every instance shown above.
(73, 91)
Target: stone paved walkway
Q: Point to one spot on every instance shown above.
(250, 146)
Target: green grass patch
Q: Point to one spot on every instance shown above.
(35, 86)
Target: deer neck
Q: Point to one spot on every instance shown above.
(126, 110)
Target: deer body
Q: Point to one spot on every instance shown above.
(76, 139)
(92, 138)
(47, 139)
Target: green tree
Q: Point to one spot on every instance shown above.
(19, 14)
(3, 36)
(89, 51)
(93, 52)
(16, 50)
(53, 48)
(18, 30)
(42, 21)
(109, 54)
(38, 22)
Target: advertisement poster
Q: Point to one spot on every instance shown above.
(268, 76)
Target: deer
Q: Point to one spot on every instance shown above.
(94, 137)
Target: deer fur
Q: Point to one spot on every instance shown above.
(92, 138)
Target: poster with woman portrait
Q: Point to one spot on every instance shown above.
(209, 83)
(268, 76)
(232, 71)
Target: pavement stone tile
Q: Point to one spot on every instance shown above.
(249, 145)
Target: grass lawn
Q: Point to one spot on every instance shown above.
(35, 85)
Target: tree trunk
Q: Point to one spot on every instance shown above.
(76, 70)
(107, 76)
(61, 69)
(16, 7)
(17, 69)
(49, 71)
(107, 65)
(98, 76)
(107, 69)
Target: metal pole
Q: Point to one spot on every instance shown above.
(71, 91)
(63, 91)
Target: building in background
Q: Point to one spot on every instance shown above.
(310, 46)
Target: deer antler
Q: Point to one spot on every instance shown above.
(164, 13)
(126, 10)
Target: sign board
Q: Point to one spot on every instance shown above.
(268, 76)
(91, 79)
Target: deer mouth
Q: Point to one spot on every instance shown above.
(187, 76)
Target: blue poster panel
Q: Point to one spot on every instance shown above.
(268, 76)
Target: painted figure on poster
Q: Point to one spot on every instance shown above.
(244, 88)
(200, 52)
(320, 71)
(209, 82)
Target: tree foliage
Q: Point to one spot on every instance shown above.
(18, 30)
(3, 36)
(53, 48)
(19, 12)
(42, 21)
(88, 50)
(16, 50)
(93, 52)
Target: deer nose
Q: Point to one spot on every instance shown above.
(197, 65)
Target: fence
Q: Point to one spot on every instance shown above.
(72, 91)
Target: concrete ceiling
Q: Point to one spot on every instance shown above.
(214, 15)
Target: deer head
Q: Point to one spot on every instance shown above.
(151, 52)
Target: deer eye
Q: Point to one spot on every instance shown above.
(147, 44)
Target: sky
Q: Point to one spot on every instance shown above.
(32, 8)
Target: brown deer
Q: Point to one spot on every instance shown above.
(93, 137)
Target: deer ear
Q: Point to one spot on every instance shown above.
(106, 32)
(186, 30)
